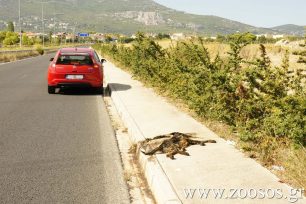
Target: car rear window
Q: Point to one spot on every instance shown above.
(74, 60)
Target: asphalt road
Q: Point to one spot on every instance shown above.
(55, 148)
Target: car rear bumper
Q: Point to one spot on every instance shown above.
(85, 85)
(59, 80)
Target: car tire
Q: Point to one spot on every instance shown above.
(51, 89)
(99, 90)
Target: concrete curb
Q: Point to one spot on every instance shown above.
(158, 181)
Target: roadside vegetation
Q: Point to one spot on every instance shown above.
(10, 57)
(26, 52)
(260, 105)
(250, 51)
(14, 52)
(10, 49)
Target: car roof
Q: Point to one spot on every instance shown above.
(76, 50)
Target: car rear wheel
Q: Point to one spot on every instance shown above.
(51, 89)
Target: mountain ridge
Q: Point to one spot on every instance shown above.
(122, 16)
(290, 29)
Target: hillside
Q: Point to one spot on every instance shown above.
(124, 16)
(291, 29)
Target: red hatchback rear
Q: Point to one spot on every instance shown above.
(75, 67)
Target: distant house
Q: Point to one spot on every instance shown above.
(261, 35)
(70, 36)
(178, 36)
(33, 35)
(98, 37)
(277, 36)
(151, 35)
(59, 35)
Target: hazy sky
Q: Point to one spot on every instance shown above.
(263, 13)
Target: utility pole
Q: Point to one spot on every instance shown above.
(20, 34)
(61, 33)
(43, 24)
(54, 15)
(43, 20)
(53, 27)
(74, 32)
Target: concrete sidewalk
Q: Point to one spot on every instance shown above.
(214, 166)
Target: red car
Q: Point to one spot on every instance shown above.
(75, 67)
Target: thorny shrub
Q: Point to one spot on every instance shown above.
(256, 99)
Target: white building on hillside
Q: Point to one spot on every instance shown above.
(177, 36)
(277, 36)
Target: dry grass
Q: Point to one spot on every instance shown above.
(166, 43)
(10, 57)
(270, 152)
(278, 152)
(127, 175)
(294, 161)
(47, 46)
(133, 148)
(249, 53)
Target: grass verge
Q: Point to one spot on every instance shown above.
(10, 57)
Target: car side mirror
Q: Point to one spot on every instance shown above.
(103, 60)
(51, 59)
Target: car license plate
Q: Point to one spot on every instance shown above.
(74, 76)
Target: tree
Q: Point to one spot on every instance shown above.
(10, 27)
(26, 40)
(221, 38)
(125, 39)
(50, 36)
(2, 36)
(249, 37)
(243, 37)
(57, 41)
(302, 58)
(11, 38)
(161, 36)
(37, 40)
(237, 42)
(262, 39)
(108, 38)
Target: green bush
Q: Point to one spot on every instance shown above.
(11, 38)
(252, 98)
(2, 36)
(26, 40)
(39, 49)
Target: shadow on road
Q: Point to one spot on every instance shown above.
(84, 91)
(78, 91)
(116, 87)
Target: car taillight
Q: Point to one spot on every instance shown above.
(52, 67)
(96, 66)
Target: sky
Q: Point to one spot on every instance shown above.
(261, 13)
